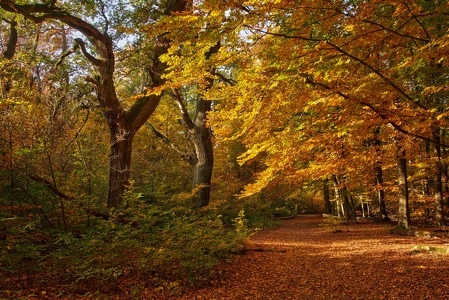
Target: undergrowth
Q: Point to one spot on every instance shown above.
(166, 242)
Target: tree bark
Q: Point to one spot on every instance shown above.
(437, 179)
(9, 54)
(119, 164)
(12, 40)
(202, 139)
(383, 215)
(353, 211)
(338, 203)
(444, 167)
(404, 213)
(326, 196)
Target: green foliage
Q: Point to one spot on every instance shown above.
(193, 245)
(170, 243)
(426, 249)
(332, 223)
(255, 212)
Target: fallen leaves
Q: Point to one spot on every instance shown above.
(364, 261)
(302, 260)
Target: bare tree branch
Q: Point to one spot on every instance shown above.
(39, 12)
(189, 158)
(230, 81)
(66, 54)
(50, 186)
(182, 108)
(93, 60)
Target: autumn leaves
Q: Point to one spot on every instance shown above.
(306, 86)
(318, 81)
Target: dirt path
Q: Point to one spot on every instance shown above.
(309, 261)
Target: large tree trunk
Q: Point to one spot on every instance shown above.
(437, 179)
(202, 140)
(404, 213)
(204, 151)
(119, 164)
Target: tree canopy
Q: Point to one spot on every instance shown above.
(171, 121)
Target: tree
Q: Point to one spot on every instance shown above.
(192, 63)
(123, 123)
(202, 141)
(379, 178)
(324, 64)
(437, 179)
(326, 196)
(404, 211)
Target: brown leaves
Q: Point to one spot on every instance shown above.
(363, 262)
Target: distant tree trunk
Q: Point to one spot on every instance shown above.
(326, 195)
(438, 187)
(427, 171)
(341, 210)
(404, 213)
(345, 205)
(381, 194)
(343, 194)
(444, 168)
(383, 215)
(354, 214)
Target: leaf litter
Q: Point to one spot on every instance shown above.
(363, 261)
(302, 259)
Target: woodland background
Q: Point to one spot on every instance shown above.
(154, 136)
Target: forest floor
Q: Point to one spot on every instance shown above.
(305, 259)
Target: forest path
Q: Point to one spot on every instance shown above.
(305, 260)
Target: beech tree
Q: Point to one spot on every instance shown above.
(201, 137)
(193, 62)
(123, 122)
(404, 211)
(379, 178)
(325, 73)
